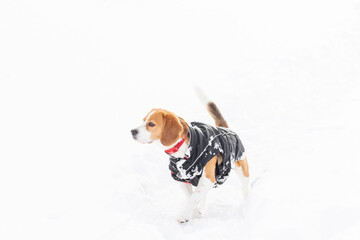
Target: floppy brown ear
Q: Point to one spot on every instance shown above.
(171, 131)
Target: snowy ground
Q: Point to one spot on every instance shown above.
(76, 76)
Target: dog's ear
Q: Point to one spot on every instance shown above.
(171, 131)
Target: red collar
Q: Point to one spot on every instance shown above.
(176, 147)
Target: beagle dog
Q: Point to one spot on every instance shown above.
(200, 155)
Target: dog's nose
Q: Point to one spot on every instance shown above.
(134, 132)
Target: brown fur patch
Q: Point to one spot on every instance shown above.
(152, 110)
(210, 169)
(219, 159)
(172, 129)
(243, 164)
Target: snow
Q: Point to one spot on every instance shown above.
(77, 76)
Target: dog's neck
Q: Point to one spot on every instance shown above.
(181, 152)
(182, 149)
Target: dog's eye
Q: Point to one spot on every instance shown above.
(151, 124)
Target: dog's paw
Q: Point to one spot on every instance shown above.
(182, 220)
(187, 217)
(184, 217)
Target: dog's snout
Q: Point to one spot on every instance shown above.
(134, 132)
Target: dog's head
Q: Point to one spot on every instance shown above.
(160, 125)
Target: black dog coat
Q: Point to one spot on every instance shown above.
(206, 142)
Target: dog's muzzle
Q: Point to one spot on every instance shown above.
(134, 132)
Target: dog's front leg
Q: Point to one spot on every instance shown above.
(187, 189)
(191, 209)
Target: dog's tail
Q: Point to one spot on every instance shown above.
(216, 115)
(212, 109)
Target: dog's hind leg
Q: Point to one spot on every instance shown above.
(242, 170)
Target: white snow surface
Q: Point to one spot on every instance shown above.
(76, 76)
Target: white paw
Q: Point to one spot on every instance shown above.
(183, 219)
(187, 217)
